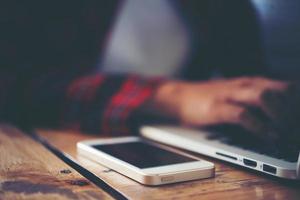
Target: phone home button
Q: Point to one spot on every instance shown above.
(167, 178)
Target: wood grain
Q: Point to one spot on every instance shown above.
(231, 182)
(29, 171)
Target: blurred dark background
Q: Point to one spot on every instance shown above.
(280, 25)
(150, 37)
(153, 37)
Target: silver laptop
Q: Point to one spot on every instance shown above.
(283, 164)
(280, 38)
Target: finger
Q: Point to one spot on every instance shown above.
(249, 118)
(248, 91)
(266, 83)
(221, 114)
(283, 106)
(287, 112)
(229, 113)
(250, 96)
(258, 82)
(272, 102)
(275, 104)
(257, 123)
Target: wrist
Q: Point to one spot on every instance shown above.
(166, 98)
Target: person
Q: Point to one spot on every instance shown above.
(50, 49)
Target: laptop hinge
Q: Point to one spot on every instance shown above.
(298, 166)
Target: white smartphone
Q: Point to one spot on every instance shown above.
(144, 161)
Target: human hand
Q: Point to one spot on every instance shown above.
(255, 103)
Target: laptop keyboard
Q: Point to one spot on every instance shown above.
(239, 137)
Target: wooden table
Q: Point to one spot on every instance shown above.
(29, 171)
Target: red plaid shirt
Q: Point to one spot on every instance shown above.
(107, 103)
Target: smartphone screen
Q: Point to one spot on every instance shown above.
(143, 154)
